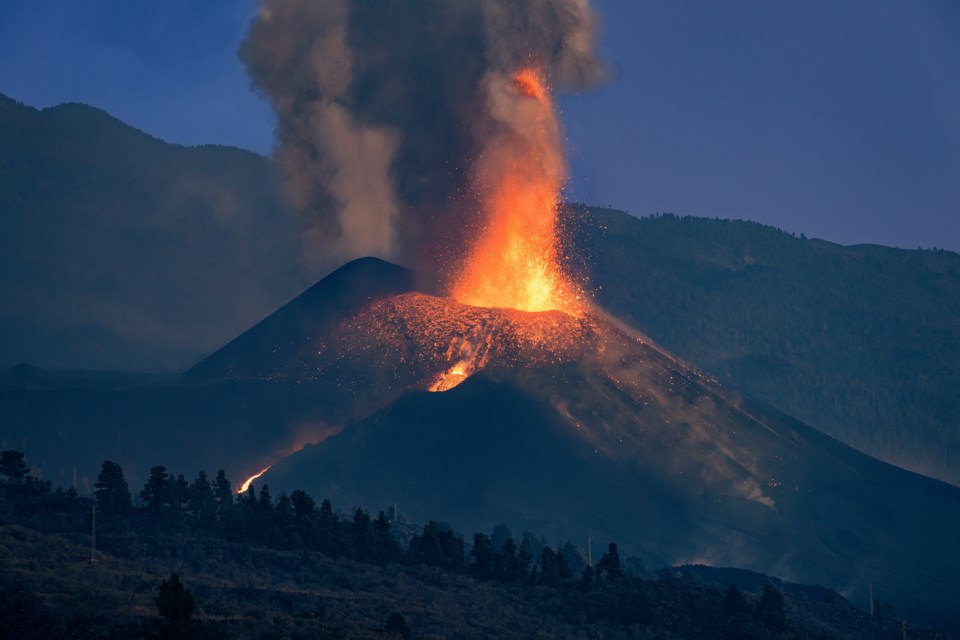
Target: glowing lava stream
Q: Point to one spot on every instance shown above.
(246, 484)
(514, 262)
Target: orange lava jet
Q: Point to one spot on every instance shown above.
(514, 262)
(246, 484)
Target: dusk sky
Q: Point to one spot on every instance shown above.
(839, 120)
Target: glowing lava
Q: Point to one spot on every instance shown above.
(422, 341)
(246, 484)
(514, 262)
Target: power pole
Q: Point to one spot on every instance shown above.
(93, 535)
(589, 551)
(871, 599)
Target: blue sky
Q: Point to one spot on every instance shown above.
(839, 119)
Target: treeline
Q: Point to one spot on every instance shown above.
(295, 521)
(558, 581)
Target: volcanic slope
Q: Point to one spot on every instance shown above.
(581, 426)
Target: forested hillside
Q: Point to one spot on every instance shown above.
(192, 561)
(862, 342)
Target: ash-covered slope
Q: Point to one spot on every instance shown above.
(282, 346)
(581, 426)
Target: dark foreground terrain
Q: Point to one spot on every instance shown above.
(259, 568)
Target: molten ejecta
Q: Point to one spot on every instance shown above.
(514, 262)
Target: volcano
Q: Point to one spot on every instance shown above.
(578, 425)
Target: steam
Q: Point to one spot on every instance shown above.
(384, 109)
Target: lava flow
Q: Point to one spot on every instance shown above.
(514, 261)
(436, 343)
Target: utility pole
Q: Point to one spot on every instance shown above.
(589, 551)
(93, 534)
(871, 599)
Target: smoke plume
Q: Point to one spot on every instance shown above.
(385, 109)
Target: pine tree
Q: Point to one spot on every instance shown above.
(12, 466)
(609, 564)
(223, 492)
(156, 492)
(113, 494)
(361, 535)
(201, 500)
(769, 609)
(386, 545)
(397, 626)
(483, 554)
(176, 606)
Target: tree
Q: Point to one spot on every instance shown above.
(113, 494)
(13, 466)
(736, 623)
(586, 580)
(156, 492)
(769, 609)
(179, 493)
(176, 606)
(202, 501)
(397, 625)
(564, 572)
(610, 563)
(483, 565)
(224, 495)
(549, 572)
(265, 502)
(511, 570)
(386, 547)
(361, 535)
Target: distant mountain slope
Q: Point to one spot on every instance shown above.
(862, 342)
(121, 251)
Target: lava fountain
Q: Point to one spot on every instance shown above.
(514, 262)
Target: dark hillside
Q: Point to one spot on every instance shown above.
(244, 587)
(121, 251)
(862, 342)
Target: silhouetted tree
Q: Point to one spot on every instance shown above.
(387, 549)
(769, 609)
(484, 557)
(265, 501)
(156, 492)
(549, 573)
(176, 606)
(113, 494)
(563, 569)
(180, 493)
(12, 466)
(586, 579)
(397, 625)
(736, 623)
(284, 533)
(361, 536)
(609, 564)
(437, 546)
(510, 568)
(202, 501)
(224, 495)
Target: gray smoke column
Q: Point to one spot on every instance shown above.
(383, 110)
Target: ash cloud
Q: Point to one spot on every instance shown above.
(384, 109)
